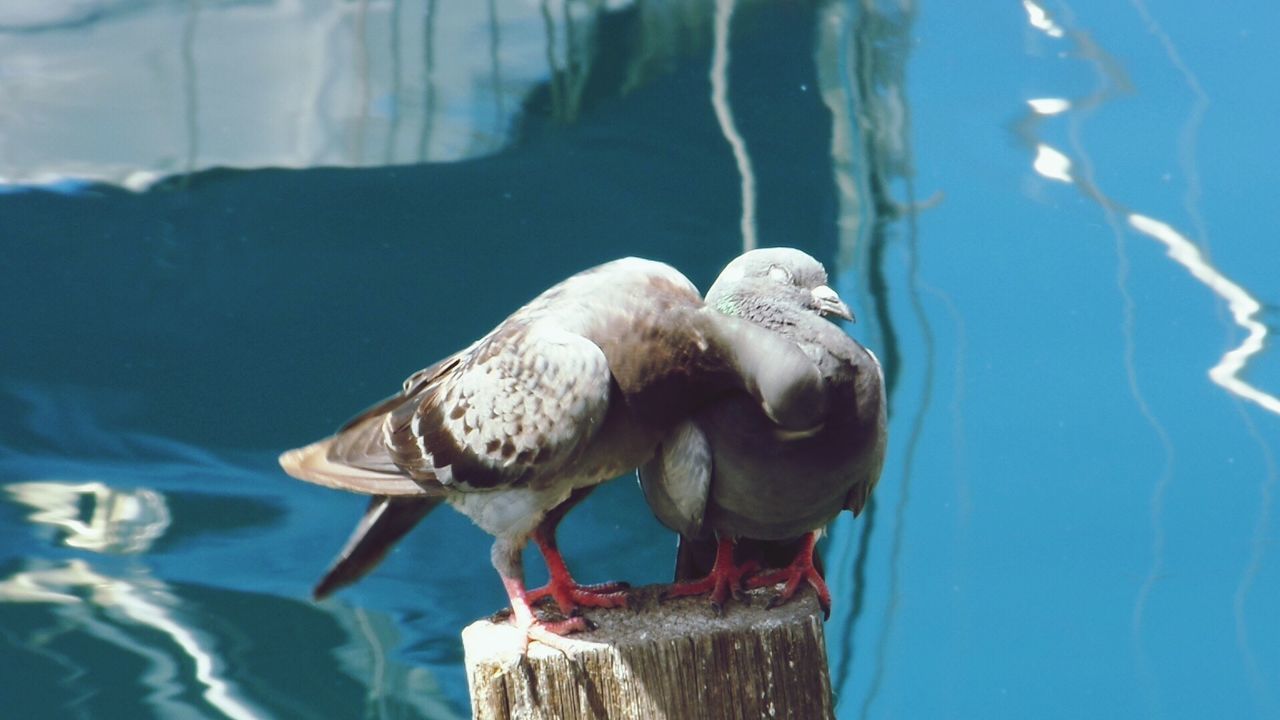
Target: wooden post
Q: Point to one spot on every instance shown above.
(673, 659)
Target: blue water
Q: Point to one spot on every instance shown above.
(228, 226)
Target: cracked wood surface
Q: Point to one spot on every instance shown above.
(672, 659)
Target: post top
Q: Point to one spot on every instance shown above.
(647, 620)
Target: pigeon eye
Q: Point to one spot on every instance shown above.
(780, 274)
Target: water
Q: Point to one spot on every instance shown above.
(229, 225)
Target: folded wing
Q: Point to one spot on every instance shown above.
(510, 409)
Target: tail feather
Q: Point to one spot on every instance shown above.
(385, 521)
(312, 464)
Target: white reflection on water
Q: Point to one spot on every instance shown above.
(1040, 19)
(1266, 490)
(1051, 163)
(185, 673)
(1243, 308)
(1242, 305)
(1112, 82)
(112, 609)
(121, 521)
(1049, 106)
(719, 75)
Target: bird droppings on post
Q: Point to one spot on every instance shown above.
(658, 659)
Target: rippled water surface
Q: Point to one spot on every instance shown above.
(228, 225)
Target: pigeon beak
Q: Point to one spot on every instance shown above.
(829, 303)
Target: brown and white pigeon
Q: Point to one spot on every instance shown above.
(731, 473)
(573, 389)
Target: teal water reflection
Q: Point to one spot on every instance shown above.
(232, 224)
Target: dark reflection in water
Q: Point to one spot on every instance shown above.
(912, 446)
(870, 51)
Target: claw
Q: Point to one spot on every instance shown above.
(725, 579)
(570, 597)
(800, 570)
(551, 632)
(544, 631)
(568, 594)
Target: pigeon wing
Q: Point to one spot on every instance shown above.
(521, 403)
(356, 458)
(677, 480)
(510, 409)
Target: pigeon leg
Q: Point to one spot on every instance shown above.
(800, 570)
(568, 594)
(725, 578)
(506, 560)
(522, 614)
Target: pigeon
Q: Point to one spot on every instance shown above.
(575, 388)
(730, 475)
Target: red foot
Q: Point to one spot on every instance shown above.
(568, 594)
(532, 628)
(547, 632)
(800, 570)
(724, 579)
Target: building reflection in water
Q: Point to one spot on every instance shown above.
(302, 84)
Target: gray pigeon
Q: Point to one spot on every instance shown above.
(732, 474)
(573, 389)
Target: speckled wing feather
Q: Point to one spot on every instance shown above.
(356, 458)
(511, 408)
(361, 442)
(521, 403)
(514, 407)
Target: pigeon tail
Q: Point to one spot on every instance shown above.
(312, 464)
(386, 521)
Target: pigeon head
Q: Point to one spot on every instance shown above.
(771, 284)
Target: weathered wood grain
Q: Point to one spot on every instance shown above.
(672, 659)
